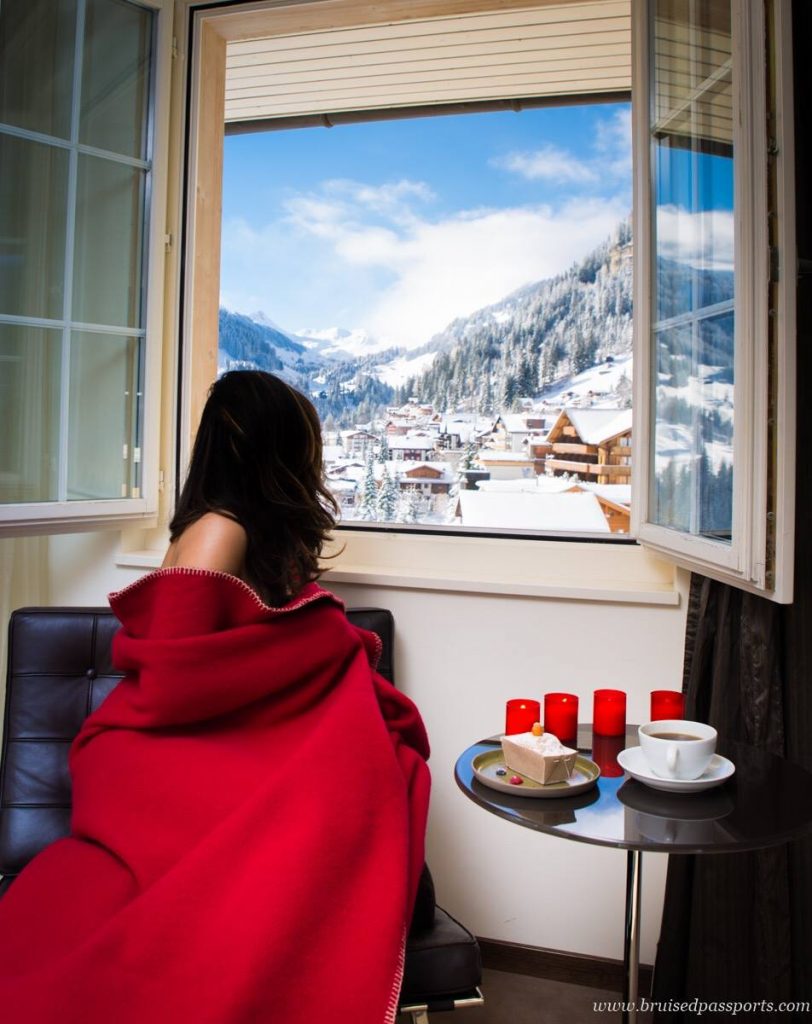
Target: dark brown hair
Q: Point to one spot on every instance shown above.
(257, 458)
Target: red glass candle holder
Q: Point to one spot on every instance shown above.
(561, 716)
(609, 713)
(520, 714)
(604, 753)
(667, 704)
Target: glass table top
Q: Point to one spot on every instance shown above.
(767, 801)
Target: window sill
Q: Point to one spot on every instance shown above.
(563, 570)
(566, 571)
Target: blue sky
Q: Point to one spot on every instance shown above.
(396, 227)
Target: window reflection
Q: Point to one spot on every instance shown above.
(693, 328)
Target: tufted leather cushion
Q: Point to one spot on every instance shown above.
(59, 670)
(442, 961)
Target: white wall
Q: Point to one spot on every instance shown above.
(460, 657)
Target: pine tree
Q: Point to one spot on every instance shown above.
(383, 447)
(387, 497)
(369, 497)
(412, 506)
(469, 458)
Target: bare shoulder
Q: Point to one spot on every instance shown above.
(212, 542)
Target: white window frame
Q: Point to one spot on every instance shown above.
(546, 568)
(66, 516)
(760, 557)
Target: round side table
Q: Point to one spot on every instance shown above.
(768, 801)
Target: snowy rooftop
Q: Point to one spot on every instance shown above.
(492, 455)
(398, 468)
(621, 494)
(411, 441)
(533, 485)
(570, 513)
(596, 425)
(515, 423)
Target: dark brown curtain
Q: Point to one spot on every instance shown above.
(739, 926)
(727, 930)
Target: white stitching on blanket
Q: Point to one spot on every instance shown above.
(378, 650)
(191, 571)
(394, 996)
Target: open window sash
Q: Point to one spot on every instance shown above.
(714, 327)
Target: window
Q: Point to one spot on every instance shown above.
(715, 290)
(78, 230)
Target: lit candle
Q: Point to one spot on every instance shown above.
(520, 714)
(609, 713)
(667, 704)
(561, 716)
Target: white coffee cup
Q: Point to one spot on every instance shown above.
(675, 749)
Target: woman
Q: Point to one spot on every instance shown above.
(254, 503)
(249, 804)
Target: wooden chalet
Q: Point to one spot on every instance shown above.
(426, 478)
(357, 442)
(595, 444)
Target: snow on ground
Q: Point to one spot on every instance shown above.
(400, 369)
(602, 380)
(532, 485)
(340, 343)
(569, 513)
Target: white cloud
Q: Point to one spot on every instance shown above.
(610, 157)
(613, 143)
(454, 267)
(440, 269)
(357, 255)
(703, 239)
(548, 164)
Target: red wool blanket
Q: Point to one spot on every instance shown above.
(249, 808)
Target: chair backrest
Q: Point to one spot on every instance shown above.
(59, 670)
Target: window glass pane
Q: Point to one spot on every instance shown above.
(33, 205)
(35, 35)
(115, 77)
(693, 432)
(30, 362)
(108, 249)
(693, 328)
(103, 457)
(465, 337)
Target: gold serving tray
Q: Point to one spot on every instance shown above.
(584, 776)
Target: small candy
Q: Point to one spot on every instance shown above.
(537, 729)
(516, 780)
(501, 771)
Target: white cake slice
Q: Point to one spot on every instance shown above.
(540, 758)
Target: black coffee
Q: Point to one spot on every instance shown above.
(673, 736)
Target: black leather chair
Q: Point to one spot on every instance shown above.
(59, 670)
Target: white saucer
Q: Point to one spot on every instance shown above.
(632, 762)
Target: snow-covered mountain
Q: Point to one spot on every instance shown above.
(537, 337)
(339, 343)
(536, 340)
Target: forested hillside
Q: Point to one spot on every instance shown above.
(549, 329)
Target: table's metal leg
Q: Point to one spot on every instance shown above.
(631, 947)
